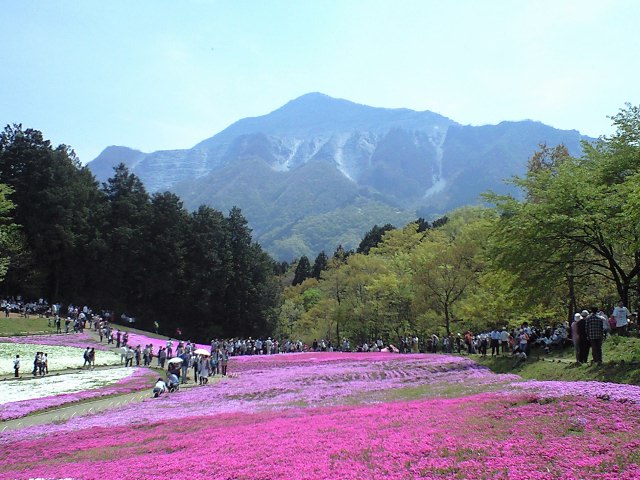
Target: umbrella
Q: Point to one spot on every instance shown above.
(201, 351)
(175, 360)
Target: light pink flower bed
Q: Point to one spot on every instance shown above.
(136, 339)
(348, 416)
(139, 379)
(79, 340)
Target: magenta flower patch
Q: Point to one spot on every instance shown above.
(347, 416)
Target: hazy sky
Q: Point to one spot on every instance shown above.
(152, 74)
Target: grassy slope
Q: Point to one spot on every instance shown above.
(621, 364)
(16, 325)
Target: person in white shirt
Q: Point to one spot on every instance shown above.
(159, 388)
(621, 314)
(16, 366)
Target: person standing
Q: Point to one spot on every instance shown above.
(595, 334)
(138, 354)
(16, 366)
(204, 366)
(224, 360)
(184, 366)
(621, 314)
(575, 336)
(585, 345)
(129, 356)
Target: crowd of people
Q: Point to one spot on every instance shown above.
(586, 332)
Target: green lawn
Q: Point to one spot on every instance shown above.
(16, 325)
(621, 357)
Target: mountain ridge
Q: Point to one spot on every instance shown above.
(317, 157)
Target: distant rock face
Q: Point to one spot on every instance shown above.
(320, 171)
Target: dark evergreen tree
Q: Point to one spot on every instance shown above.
(128, 212)
(164, 283)
(373, 237)
(238, 306)
(208, 267)
(319, 265)
(56, 203)
(303, 271)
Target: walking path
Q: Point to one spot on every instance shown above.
(67, 412)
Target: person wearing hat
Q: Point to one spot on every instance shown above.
(575, 336)
(583, 340)
(595, 333)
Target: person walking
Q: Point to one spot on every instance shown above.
(621, 314)
(129, 357)
(16, 366)
(595, 334)
(224, 360)
(87, 360)
(204, 367)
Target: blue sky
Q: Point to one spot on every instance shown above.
(161, 74)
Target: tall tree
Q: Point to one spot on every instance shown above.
(303, 271)
(56, 201)
(128, 212)
(576, 211)
(373, 237)
(9, 237)
(319, 265)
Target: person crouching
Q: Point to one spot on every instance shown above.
(159, 388)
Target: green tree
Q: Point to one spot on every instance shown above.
(319, 265)
(574, 221)
(373, 237)
(448, 262)
(57, 202)
(9, 234)
(128, 211)
(303, 271)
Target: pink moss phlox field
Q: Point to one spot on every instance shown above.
(140, 378)
(606, 391)
(281, 382)
(136, 339)
(478, 437)
(78, 340)
(345, 416)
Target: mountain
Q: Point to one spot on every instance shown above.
(321, 171)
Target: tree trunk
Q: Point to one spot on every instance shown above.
(573, 304)
(446, 318)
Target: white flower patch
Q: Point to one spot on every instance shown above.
(17, 390)
(59, 358)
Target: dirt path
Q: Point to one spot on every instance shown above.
(63, 414)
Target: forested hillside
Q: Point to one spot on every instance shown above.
(115, 247)
(569, 240)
